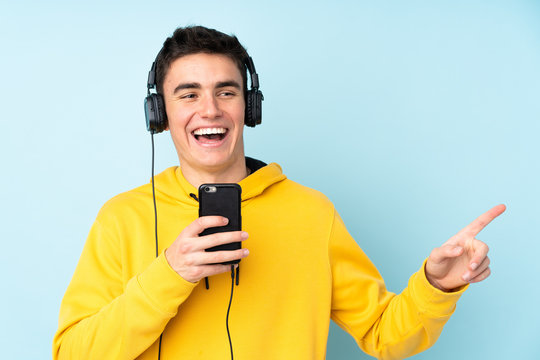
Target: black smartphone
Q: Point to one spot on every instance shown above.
(223, 200)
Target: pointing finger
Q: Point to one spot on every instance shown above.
(482, 221)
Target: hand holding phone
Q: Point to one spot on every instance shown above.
(188, 254)
(223, 200)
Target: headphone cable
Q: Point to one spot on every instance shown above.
(155, 223)
(154, 195)
(228, 311)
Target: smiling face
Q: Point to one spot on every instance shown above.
(205, 108)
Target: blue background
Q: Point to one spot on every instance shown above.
(412, 117)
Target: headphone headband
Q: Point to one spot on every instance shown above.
(252, 73)
(151, 82)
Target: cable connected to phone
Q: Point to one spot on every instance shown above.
(228, 311)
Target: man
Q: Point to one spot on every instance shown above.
(300, 267)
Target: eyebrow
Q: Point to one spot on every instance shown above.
(219, 85)
(229, 83)
(186, 86)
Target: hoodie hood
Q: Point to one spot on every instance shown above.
(172, 184)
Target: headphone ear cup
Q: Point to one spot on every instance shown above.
(253, 114)
(154, 110)
(249, 107)
(161, 121)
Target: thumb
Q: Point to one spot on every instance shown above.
(440, 254)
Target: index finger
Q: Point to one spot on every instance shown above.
(482, 221)
(203, 223)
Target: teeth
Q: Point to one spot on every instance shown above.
(209, 131)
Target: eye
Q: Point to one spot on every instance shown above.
(188, 96)
(227, 93)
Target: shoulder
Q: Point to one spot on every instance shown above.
(271, 183)
(294, 193)
(137, 199)
(304, 191)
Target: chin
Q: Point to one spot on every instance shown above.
(217, 162)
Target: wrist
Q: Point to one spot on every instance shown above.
(436, 284)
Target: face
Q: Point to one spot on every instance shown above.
(205, 108)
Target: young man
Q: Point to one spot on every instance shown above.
(300, 267)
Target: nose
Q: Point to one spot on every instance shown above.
(210, 108)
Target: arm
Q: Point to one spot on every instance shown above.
(101, 317)
(385, 325)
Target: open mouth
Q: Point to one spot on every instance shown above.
(209, 134)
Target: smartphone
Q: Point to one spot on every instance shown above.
(223, 200)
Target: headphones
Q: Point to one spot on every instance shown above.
(154, 105)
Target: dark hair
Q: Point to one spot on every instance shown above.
(199, 39)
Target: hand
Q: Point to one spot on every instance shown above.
(187, 257)
(462, 259)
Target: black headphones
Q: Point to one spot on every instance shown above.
(154, 105)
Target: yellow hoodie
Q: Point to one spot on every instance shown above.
(303, 269)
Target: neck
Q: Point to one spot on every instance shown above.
(232, 174)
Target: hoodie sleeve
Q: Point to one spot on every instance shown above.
(102, 316)
(384, 325)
